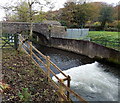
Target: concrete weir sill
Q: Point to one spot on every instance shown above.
(87, 48)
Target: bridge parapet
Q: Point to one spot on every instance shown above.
(46, 29)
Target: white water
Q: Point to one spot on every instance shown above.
(93, 83)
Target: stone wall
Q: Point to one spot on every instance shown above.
(58, 31)
(87, 48)
(48, 30)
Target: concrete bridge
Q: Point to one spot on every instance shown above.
(46, 30)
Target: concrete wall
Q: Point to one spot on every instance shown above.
(87, 48)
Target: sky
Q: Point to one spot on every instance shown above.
(58, 4)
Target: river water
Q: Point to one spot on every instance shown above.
(92, 80)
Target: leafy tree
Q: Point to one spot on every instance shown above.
(95, 8)
(25, 11)
(40, 17)
(75, 14)
(81, 14)
(68, 13)
(21, 12)
(106, 15)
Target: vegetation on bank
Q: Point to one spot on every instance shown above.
(106, 38)
(74, 14)
(25, 82)
(103, 35)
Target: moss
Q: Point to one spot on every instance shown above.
(109, 61)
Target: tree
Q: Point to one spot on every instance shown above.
(21, 12)
(82, 14)
(75, 14)
(95, 8)
(67, 14)
(106, 15)
(31, 13)
(25, 11)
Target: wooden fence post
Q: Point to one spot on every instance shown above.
(68, 85)
(16, 41)
(48, 66)
(19, 43)
(61, 89)
(30, 43)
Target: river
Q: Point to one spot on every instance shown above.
(92, 80)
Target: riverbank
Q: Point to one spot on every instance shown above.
(87, 48)
(25, 82)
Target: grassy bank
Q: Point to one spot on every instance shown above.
(103, 35)
(106, 38)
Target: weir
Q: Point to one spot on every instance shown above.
(92, 80)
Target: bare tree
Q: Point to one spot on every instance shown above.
(31, 3)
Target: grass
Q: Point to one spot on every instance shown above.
(106, 38)
(103, 35)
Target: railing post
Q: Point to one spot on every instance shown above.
(16, 41)
(30, 43)
(19, 43)
(61, 89)
(48, 66)
(68, 85)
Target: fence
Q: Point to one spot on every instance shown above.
(110, 44)
(76, 33)
(64, 90)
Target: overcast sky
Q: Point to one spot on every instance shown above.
(58, 4)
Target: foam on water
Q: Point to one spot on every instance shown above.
(93, 82)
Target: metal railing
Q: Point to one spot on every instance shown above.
(76, 33)
(64, 90)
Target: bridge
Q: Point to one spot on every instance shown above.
(45, 29)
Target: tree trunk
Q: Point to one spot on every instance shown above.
(31, 29)
(103, 25)
(31, 23)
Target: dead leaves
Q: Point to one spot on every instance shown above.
(20, 73)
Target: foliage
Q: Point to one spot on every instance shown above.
(75, 15)
(31, 11)
(116, 13)
(95, 8)
(96, 24)
(21, 12)
(67, 14)
(109, 39)
(24, 95)
(106, 15)
(103, 35)
(40, 17)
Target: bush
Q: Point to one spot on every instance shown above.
(111, 29)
